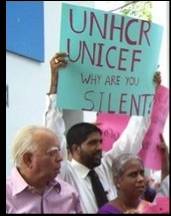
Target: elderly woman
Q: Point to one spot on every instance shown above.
(128, 176)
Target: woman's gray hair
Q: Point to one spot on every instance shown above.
(119, 163)
(23, 142)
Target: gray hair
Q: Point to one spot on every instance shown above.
(119, 163)
(23, 142)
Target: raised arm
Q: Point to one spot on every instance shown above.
(132, 137)
(53, 115)
(58, 61)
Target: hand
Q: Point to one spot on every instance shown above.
(57, 61)
(157, 79)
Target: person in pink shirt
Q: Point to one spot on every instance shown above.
(33, 186)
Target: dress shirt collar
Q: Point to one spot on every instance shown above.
(20, 184)
(80, 168)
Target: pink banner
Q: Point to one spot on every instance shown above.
(150, 153)
(160, 205)
(112, 125)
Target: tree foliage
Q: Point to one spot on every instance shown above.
(138, 9)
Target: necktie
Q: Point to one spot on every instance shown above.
(98, 189)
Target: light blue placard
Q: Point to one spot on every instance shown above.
(25, 28)
(112, 61)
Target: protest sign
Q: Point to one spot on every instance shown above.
(150, 153)
(112, 60)
(112, 125)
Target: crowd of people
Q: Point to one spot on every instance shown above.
(54, 173)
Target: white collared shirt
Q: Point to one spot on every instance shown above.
(76, 174)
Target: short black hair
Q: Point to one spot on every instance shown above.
(78, 133)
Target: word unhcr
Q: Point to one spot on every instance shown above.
(108, 30)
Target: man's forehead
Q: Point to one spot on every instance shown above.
(95, 136)
(47, 141)
(44, 134)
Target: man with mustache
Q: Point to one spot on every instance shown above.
(87, 166)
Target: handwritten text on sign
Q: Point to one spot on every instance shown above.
(112, 60)
(112, 126)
